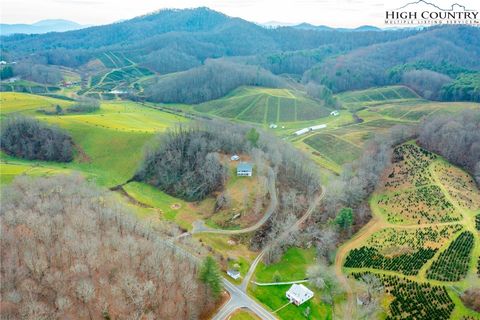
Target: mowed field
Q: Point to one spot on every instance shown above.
(424, 243)
(378, 110)
(293, 266)
(265, 106)
(109, 142)
(358, 99)
(11, 102)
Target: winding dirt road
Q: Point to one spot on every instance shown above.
(200, 227)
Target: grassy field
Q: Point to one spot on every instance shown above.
(357, 99)
(293, 266)
(243, 315)
(13, 168)
(333, 148)
(11, 102)
(415, 235)
(110, 141)
(265, 106)
(28, 86)
(377, 110)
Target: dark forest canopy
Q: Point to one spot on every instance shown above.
(447, 50)
(31, 139)
(211, 81)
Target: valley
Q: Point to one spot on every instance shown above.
(221, 165)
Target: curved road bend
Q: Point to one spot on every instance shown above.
(239, 299)
(200, 227)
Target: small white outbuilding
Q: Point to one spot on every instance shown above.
(234, 274)
(298, 294)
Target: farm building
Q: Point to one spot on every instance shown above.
(273, 126)
(234, 274)
(244, 169)
(234, 158)
(313, 128)
(298, 294)
(334, 113)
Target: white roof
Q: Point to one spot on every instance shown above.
(300, 291)
(312, 128)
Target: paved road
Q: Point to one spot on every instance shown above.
(239, 299)
(200, 227)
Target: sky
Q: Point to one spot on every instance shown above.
(335, 13)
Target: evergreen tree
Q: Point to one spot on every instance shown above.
(210, 275)
(344, 218)
(253, 137)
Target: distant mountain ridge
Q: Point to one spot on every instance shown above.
(309, 26)
(434, 5)
(42, 26)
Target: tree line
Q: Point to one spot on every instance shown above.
(457, 138)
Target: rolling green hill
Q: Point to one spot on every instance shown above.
(265, 105)
(373, 96)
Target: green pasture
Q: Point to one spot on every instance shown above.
(265, 106)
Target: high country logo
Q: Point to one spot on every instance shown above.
(422, 12)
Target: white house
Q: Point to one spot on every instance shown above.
(298, 294)
(234, 158)
(234, 274)
(334, 113)
(244, 169)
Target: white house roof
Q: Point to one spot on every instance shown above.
(299, 291)
(244, 166)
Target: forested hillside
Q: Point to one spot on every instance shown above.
(447, 51)
(436, 62)
(69, 250)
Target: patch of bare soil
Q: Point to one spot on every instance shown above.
(131, 199)
(82, 155)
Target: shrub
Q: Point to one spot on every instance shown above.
(85, 105)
